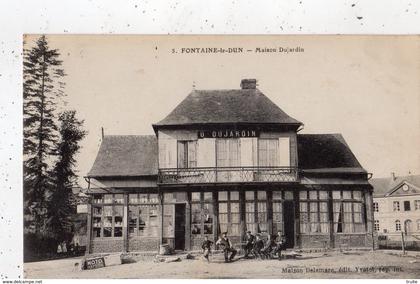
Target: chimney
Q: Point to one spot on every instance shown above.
(249, 84)
(393, 176)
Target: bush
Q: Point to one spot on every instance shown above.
(38, 247)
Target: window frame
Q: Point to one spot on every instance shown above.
(189, 156)
(148, 206)
(407, 205)
(308, 226)
(397, 225)
(257, 224)
(375, 207)
(202, 202)
(112, 205)
(267, 152)
(229, 212)
(396, 206)
(376, 226)
(349, 202)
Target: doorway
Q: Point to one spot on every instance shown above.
(179, 226)
(289, 223)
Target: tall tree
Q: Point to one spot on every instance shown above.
(61, 202)
(42, 87)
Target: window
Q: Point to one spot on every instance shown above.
(227, 152)
(187, 154)
(228, 155)
(143, 215)
(277, 211)
(313, 208)
(408, 226)
(229, 213)
(418, 225)
(107, 215)
(417, 204)
(407, 206)
(398, 226)
(376, 225)
(348, 212)
(202, 213)
(396, 205)
(268, 152)
(256, 211)
(375, 207)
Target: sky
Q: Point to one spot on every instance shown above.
(365, 87)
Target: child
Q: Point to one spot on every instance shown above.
(206, 246)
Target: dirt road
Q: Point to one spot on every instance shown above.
(375, 264)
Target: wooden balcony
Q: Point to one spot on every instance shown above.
(174, 176)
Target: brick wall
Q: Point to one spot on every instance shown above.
(143, 244)
(352, 240)
(107, 245)
(315, 241)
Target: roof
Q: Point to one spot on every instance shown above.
(327, 153)
(227, 106)
(137, 155)
(128, 155)
(381, 186)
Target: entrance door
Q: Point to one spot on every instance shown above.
(289, 223)
(179, 226)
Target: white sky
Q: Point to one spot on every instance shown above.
(365, 87)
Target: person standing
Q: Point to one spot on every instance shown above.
(227, 247)
(249, 244)
(206, 246)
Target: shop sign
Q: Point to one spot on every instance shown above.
(82, 208)
(94, 263)
(229, 133)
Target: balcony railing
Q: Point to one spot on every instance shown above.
(227, 175)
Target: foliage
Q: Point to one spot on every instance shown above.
(42, 87)
(61, 202)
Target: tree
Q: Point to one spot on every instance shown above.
(42, 87)
(61, 202)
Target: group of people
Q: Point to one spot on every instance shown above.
(254, 245)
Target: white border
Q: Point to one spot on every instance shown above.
(155, 17)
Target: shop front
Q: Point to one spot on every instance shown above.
(219, 163)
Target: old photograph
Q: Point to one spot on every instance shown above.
(232, 156)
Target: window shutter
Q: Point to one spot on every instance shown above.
(206, 152)
(284, 151)
(246, 152)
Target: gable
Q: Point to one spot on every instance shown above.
(403, 188)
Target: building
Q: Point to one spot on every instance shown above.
(396, 206)
(227, 160)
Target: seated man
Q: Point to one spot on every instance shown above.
(268, 247)
(280, 244)
(249, 238)
(227, 247)
(258, 246)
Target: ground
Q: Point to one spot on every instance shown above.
(367, 264)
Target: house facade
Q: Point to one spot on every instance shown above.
(396, 206)
(227, 160)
